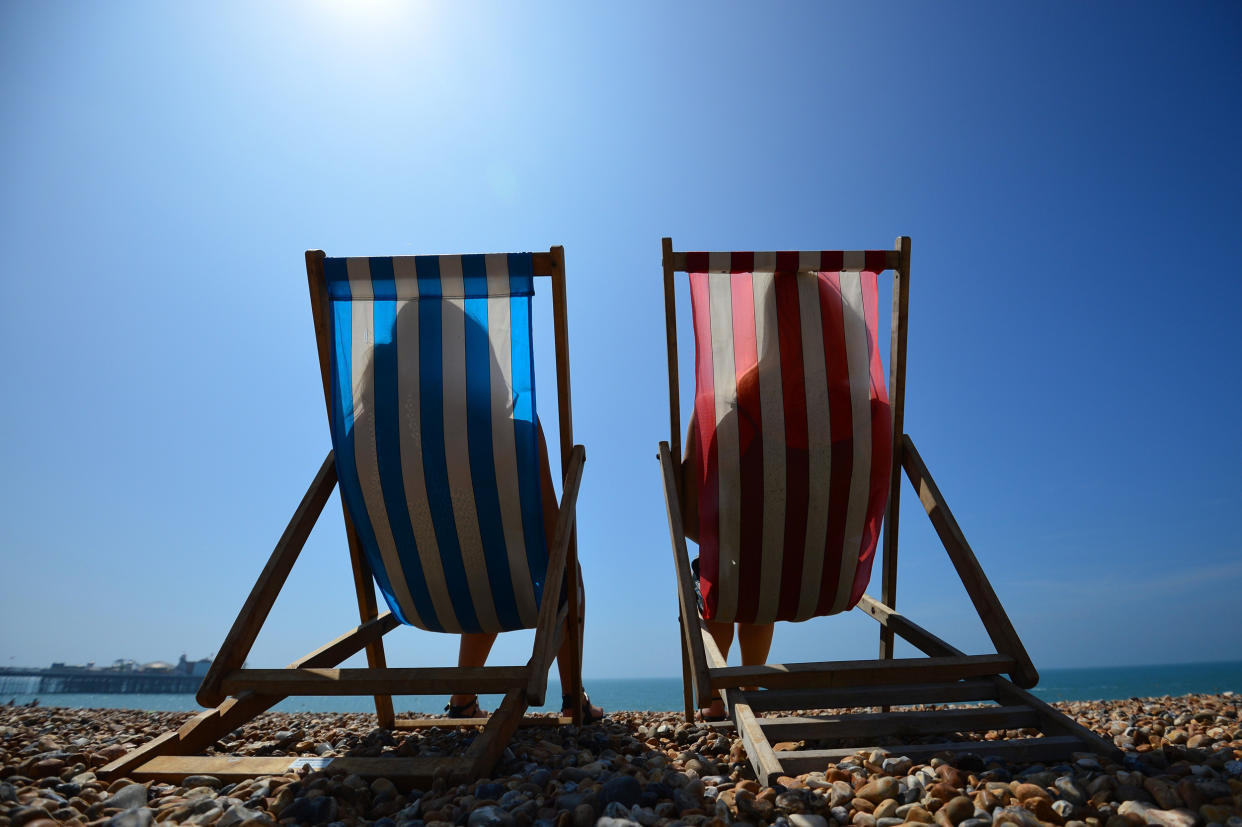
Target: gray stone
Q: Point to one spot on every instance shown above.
(8, 792)
(647, 817)
(1234, 768)
(1070, 791)
(136, 817)
(239, 813)
(899, 765)
(891, 821)
(192, 781)
(511, 799)
(488, 792)
(976, 822)
(1154, 815)
(1015, 815)
(490, 816)
(624, 789)
(1063, 808)
(383, 786)
(128, 797)
(618, 822)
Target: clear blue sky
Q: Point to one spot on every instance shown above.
(1070, 175)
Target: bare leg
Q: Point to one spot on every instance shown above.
(755, 640)
(473, 651)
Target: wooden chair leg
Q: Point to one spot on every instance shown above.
(367, 611)
(686, 688)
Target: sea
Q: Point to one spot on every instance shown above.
(665, 694)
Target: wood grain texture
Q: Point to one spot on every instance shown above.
(1021, 749)
(364, 591)
(415, 681)
(237, 644)
(1052, 720)
(405, 771)
(776, 700)
(547, 631)
(573, 574)
(987, 604)
(688, 608)
(205, 728)
(907, 629)
(897, 400)
(904, 723)
(859, 672)
(891, 260)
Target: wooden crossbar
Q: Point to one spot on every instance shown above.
(892, 259)
(775, 700)
(1020, 749)
(868, 725)
(228, 768)
(858, 672)
(421, 681)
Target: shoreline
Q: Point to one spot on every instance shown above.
(1182, 767)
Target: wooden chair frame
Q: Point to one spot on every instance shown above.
(236, 695)
(946, 675)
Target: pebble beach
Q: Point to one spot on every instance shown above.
(1181, 767)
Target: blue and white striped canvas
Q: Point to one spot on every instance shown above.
(434, 429)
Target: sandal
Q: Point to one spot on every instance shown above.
(466, 710)
(587, 717)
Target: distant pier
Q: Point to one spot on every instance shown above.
(122, 677)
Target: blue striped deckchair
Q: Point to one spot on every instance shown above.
(428, 376)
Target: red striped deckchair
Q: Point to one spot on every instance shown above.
(428, 379)
(796, 466)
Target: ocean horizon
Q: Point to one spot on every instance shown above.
(663, 694)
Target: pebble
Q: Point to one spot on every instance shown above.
(641, 768)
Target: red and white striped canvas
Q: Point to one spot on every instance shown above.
(795, 431)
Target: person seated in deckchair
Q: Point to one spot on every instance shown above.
(754, 639)
(475, 647)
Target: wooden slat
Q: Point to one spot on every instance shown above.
(923, 722)
(1021, 749)
(237, 644)
(546, 631)
(459, 723)
(891, 260)
(174, 768)
(897, 399)
(490, 744)
(560, 330)
(687, 606)
(420, 681)
(364, 590)
(762, 758)
(670, 341)
(776, 700)
(205, 728)
(907, 629)
(859, 672)
(987, 604)
(1052, 720)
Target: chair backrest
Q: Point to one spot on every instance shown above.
(795, 430)
(435, 434)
